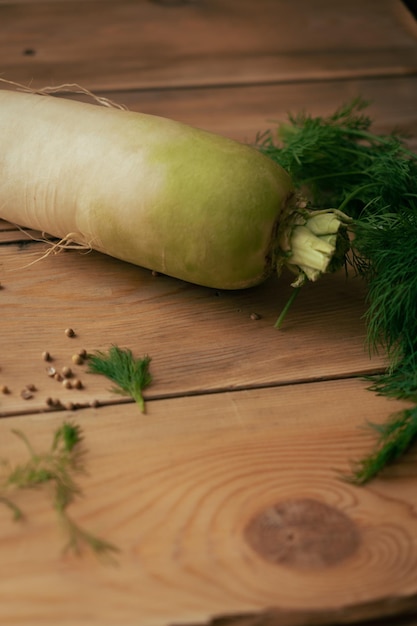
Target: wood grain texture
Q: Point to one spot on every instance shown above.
(177, 491)
(129, 44)
(225, 498)
(241, 113)
(199, 339)
(12, 233)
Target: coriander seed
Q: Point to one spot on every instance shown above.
(70, 332)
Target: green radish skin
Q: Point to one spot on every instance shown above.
(144, 189)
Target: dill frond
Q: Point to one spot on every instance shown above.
(78, 537)
(339, 162)
(395, 437)
(119, 365)
(54, 467)
(387, 245)
(17, 512)
(398, 381)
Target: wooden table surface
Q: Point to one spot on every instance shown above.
(225, 499)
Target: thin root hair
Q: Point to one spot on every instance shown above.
(69, 242)
(73, 88)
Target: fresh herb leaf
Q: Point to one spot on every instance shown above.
(67, 437)
(56, 466)
(386, 256)
(78, 537)
(119, 365)
(17, 512)
(395, 437)
(398, 381)
(340, 162)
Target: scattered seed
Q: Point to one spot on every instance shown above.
(67, 383)
(77, 359)
(57, 377)
(26, 394)
(4, 389)
(70, 406)
(77, 384)
(31, 387)
(70, 332)
(94, 403)
(54, 403)
(66, 372)
(51, 371)
(255, 316)
(46, 356)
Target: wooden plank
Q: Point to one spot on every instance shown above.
(243, 112)
(129, 44)
(202, 496)
(199, 339)
(11, 233)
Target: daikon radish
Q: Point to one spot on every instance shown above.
(157, 193)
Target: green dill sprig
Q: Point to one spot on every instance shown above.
(398, 381)
(131, 375)
(386, 256)
(339, 162)
(55, 468)
(395, 437)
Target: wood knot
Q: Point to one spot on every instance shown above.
(303, 533)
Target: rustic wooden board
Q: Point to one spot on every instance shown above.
(241, 418)
(203, 497)
(12, 233)
(241, 113)
(128, 44)
(199, 338)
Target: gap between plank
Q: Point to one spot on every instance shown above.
(195, 393)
